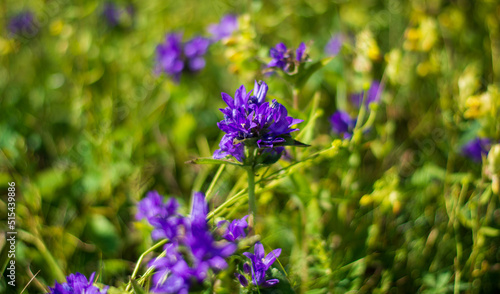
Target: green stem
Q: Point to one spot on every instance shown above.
(295, 98)
(136, 269)
(251, 192)
(214, 181)
(49, 259)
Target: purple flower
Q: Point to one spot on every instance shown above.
(342, 123)
(300, 53)
(248, 120)
(286, 59)
(194, 50)
(23, 24)
(111, 13)
(260, 265)
(333, 46)
(162, 216)
(173, 57)
(228, 24)
(205, 251)
(476, 148)
(169, 56)
(235, 229)
(174, 273)
(372, 95)
(77, 284)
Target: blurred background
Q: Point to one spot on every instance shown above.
(87, 128)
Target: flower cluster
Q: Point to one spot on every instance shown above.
(260, 263)
(225, 28)
(249, 120)
(176, 272)
(343, 124)
(475, 149)
(286, 59)
(173, 57)
(77, 284)
(23, 24)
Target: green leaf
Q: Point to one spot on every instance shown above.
(207, 160)
(304, 74)
(48, 181)
(4, 260)
(104, 233)
(282, 287)
(291, 142)
(137, 288)
(113, 290)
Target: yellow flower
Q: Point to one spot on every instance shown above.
(478, 105)
(423, 36)
(56, 27)
(367, 46)
(6, 46)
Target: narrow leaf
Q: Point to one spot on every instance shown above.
(208, 160)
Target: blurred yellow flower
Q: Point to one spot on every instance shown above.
(468, 84)
(6, 46)
(477, 105)
(452, 19)
(240, 47)
(393, 59)
(422, 37)
(366, 45)
(56, 27)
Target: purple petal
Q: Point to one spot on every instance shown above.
(228, 99)
(199, 209)
(475, 149)
(196, 64)
(270, 283)
(300, 51)
(218, 263)
(246, 268)
(259, 250)
(243, 281)
(271, 257)
(332, 48)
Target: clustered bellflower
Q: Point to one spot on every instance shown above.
(287, 59)
(476, 148)
(192, 250)
(373, 94)
(343, 124)
(174, 57)
(225, 28)
(250, 121)
(77, 284)
(23, 23)
(260, 263)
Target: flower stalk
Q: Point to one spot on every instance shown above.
(251, 192)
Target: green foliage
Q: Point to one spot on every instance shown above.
(86, 129)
